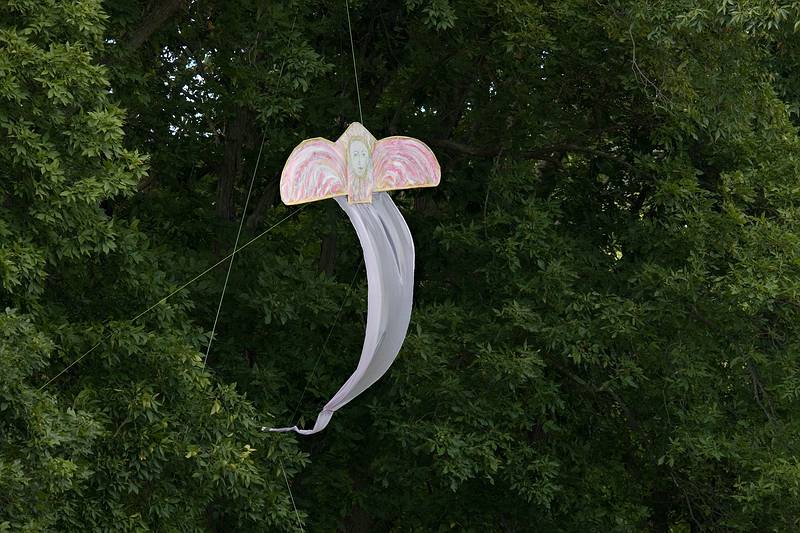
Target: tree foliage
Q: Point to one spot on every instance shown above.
(605, 326)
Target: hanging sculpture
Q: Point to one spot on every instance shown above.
(363, 169)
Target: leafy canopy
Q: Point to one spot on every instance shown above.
(605, 333)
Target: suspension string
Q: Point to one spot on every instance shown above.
(352, 282)
(350, 288)
(291, 496)
(353, 51)
(176, 291)
(235, 244)
(325, 344)
(244, 214)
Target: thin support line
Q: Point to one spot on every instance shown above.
(176, 291)
(325, 344)
(235, 244)
(291, 497)
(353, 51)
(244, 215)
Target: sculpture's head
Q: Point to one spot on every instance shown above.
(358, 156)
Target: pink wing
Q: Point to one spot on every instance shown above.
(403, 163)
(315, 170)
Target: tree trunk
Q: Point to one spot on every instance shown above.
(660, 505)
(267, 199)
(232, 164)
(154, 20)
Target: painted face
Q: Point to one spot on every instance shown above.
(359, 158)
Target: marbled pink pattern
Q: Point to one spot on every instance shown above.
(315, 170)
(318, 168)
(403, 163)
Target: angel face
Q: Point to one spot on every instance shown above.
(358, 157)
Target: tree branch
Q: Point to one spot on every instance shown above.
(544, 152)
(266, 199)
(465, 149)
(152, 22)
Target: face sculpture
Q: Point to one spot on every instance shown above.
(358, 157)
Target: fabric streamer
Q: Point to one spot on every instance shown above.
(389, 259)
(362, 168)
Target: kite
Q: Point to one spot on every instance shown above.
(363, 168)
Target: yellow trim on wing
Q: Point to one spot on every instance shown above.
(307, 200)
(426, 186)
(374, 190)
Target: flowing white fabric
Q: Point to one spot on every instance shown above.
(389, 258)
